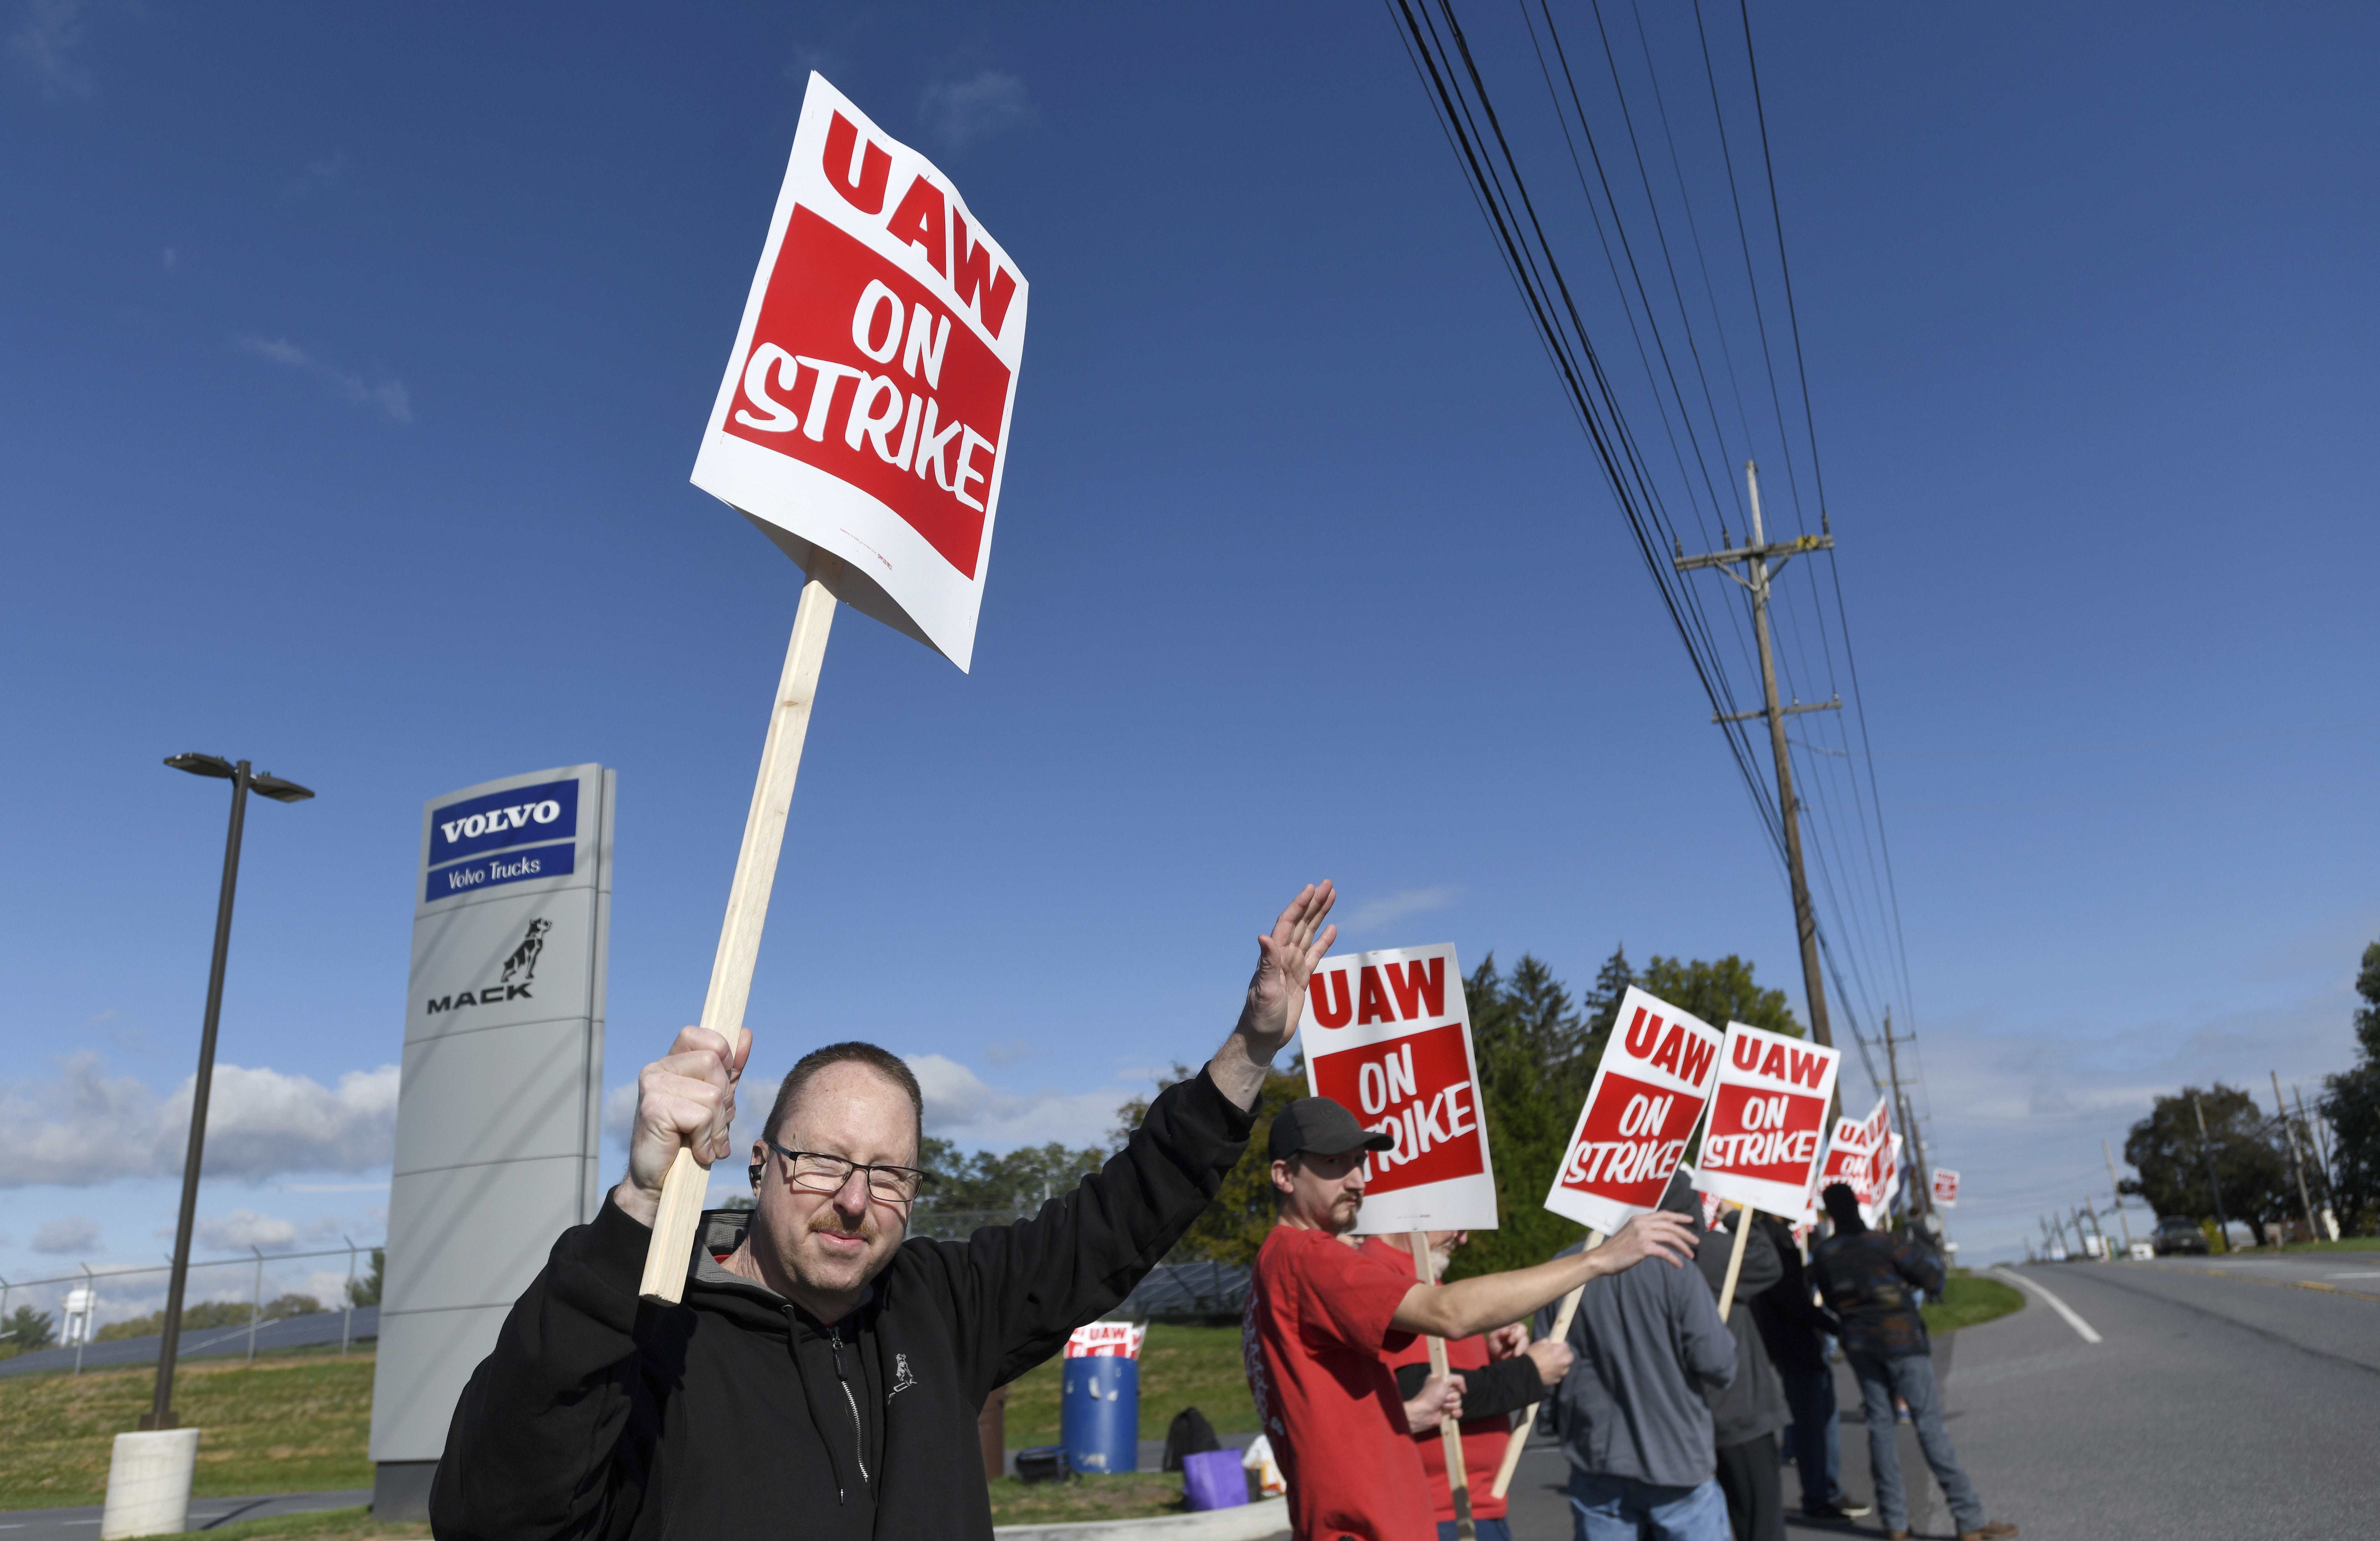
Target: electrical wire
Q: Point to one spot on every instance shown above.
(1861, 941)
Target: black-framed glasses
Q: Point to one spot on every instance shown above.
(820, 1172)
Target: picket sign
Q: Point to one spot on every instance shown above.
(1848, 1162)
(1767, 1117)
(1107, 1341)
(1946, 1188)
(1649, 1088)
(882, 487)
(1388, 1037)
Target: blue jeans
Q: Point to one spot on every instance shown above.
(1815, 1439)
(1912, 1377)
(1488, 1530)
(1623, 1508)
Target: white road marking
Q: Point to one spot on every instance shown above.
(2351, 1276)
(2081, 1327)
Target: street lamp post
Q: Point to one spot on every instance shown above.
(243, 780)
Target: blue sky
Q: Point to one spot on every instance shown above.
(354, 364)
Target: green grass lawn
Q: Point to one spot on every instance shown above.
(294, 1423)
(1179, 1367)
(1970, 1299)
(2345, 1243)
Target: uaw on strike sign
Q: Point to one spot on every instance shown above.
(1648, 1092)
(1388, 1038)
(866, 408)
(1768, 1119)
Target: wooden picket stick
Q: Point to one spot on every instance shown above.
(747, 909)
(1520, 1439)
(1735, 1258)
(1449, 1431)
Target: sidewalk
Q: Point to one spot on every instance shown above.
(82, 1525)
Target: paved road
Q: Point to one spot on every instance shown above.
(82, 1525)
(2230, 1398)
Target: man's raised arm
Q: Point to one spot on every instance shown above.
(1285, 959)
(1491, 1300)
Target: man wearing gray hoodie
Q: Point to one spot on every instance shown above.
(1632, 1414)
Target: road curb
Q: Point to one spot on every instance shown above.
(1250, 1522)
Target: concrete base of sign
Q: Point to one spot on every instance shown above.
(1249, 1521)
(401, 1491)
(149, 1484)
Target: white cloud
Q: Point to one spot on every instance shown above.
(986, 104)
(1390, 907)
(243, 1229)
(961, 1106)
(67, 1233)
(2020, 1110)
(85, 1126)
(50, 30)
(389, 395)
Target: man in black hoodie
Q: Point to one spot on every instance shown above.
(824, 1376)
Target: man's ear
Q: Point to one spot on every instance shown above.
(1284, 1177)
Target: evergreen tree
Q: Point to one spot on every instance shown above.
(1719, 993)
(24, 1330)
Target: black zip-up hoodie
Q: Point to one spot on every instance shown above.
(736, 1413)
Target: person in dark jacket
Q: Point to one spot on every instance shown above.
(1866, 1276)
(823, 1378)
(1794, 1329)
(1747, 1414)
(1633, 1414)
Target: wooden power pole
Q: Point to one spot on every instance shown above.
(1756, 560)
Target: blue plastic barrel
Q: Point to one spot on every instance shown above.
(1099, 1414)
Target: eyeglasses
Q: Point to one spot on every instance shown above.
(822, 1173)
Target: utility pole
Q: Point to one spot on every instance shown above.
(2122, 1219)
(2314, 1230)
(2214, 1189)
(2321, 1153)
(1756, 559)
(1922, 1197)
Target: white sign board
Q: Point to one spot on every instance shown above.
(1946, 1188)
(1768, 1119)
(865, 411)
(1648, 1089)
(1388, 1038)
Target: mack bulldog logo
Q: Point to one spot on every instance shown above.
(524, 959)
(523, 964)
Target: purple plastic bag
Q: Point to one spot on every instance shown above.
(1213, 1480)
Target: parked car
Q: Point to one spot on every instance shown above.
(2178, 1236)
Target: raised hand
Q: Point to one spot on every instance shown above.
(684, 1101)
(1285, 959)
(1662, 1234)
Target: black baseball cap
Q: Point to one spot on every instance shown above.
(1322, 1126)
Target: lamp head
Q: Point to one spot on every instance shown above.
(204, 765)
(273, 786)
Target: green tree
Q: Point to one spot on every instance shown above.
(1536, 1055)
(2171, 1159)
(1719, 993)
(2350, 1104)
(971, 1189)
(24, 1330)
(366, 1291)
(1232, 1228)
(281, 1307)
(198, 1316)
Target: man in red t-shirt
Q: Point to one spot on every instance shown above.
(1501, 1373)
(1321, 1315)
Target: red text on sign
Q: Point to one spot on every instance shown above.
(922, 437)
(1770, 1135)
(1417, 1090)
(1631, 1140)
